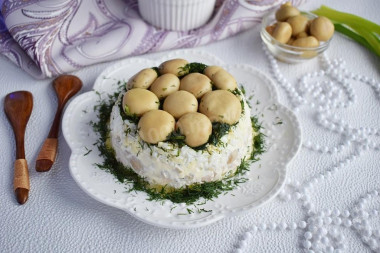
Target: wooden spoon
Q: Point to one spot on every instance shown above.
(18, 107)
(65, 86)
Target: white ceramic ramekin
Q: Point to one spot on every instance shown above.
(178, 15)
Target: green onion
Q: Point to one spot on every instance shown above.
(357, 28)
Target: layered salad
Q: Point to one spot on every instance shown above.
(181, 127)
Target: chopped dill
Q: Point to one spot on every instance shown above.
(236, 92)
(126, 114)
(218, 131)
(258, 141)
(128, 131)
(242, 106)
(88, 151)
(239, 93)
(242, 89)
(243, 167)
(176, 137)
(193, 67)
(201, 204)
(278, 121)
(157, 70)
(98, 93)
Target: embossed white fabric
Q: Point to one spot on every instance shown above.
(331, 201)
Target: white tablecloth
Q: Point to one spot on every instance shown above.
(330, 202)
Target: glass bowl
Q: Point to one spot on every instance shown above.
(285, 52)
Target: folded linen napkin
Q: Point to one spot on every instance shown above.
(50, 37)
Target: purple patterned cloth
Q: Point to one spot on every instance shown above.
(51, 37)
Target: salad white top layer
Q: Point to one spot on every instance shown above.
(167, 164)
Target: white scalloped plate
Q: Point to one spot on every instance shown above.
(266, 177)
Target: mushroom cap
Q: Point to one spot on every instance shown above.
(221, 106)
(286, 12)
(196, 127)
(322, 28)
(143, 79)
(298, 23)
(282, 32)
(138, 101)
(165, 85)
(179, 103)
(223, 80)
(211, 70)
(196, 83)
(306, 42)
(174, 66)
(155, 126)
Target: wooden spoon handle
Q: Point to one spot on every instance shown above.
(21, 183)
(47, 155)
(54, 129)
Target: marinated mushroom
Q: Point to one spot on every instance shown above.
(223, 80)
(196, 83)
(298, 24)
(138, 101)
(286, 11)
(221, 106)
(322, 28)
(308, 41)
(270, 29)
(290, 41)
(196, 127)
(174, 66)
(155, 126)
(282, 32)
(143, 79)
(179, 103)
(301, 35)
(211, 70)
(165, 85)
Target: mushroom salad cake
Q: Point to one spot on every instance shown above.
(180, 131)
(175, 128)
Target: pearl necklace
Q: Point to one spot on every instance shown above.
(326, 97)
